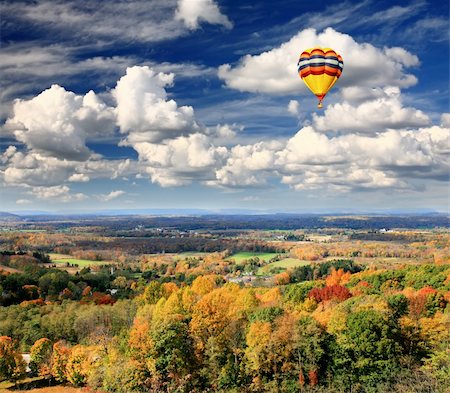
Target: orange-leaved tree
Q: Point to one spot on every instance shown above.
(337, 277)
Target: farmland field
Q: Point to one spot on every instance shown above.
(241, 256)
(284, 264)
(64, 259)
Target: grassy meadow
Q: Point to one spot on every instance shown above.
(284, 264)
(241, 256)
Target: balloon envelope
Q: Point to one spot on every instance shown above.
(320, 68)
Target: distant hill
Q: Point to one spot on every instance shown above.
(239, 221)
(8, 217)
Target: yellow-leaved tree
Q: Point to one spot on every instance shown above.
(41, 357)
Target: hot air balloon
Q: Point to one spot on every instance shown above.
(320, 68)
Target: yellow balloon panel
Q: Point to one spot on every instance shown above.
(320, 84)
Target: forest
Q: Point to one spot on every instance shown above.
(333, 312)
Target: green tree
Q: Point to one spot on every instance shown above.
(54, 282)
(367, 352)
(309, 346)
(398, 304)
(172, 350)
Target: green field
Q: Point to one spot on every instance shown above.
(241, 256)
(284, 264)
(64, 259)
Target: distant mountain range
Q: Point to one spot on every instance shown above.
(21, 215)
(197, 219)
(4, 216)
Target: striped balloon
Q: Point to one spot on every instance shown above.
(320, 68)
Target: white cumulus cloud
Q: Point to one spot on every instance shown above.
(377, 115)
(144, 111)
(394, 159)
(293, 107)
(192, 12)
(247, 166)
(78, 177)
(367, 141)
(29, 168)
(180, 161)
(445, 120)
(57, 122)
(112, 195)
(275, 71)
(23, 201)
(57, 193)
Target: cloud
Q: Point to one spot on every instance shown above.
(275, 71)
(34, 169)
(383, 112)
(393, 24)
(351, 178)
(66, 34)
(27, 60)
(394, 159)
(27, 69)
(57, 122)
(93, 23)
(391, 159)
(145, 113)
(224, 134)
(174, 148)
(182, 70)
(28, 168)
(428, 29)
(55, 126)
(78, 177)
(181, 160)
(368, 141)
(192, 12)
(57, 193)
(247, 166)
(23, 201)
(445, 120)
(112, 195)
(293, 107)
(30, 67)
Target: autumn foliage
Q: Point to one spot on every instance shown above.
(334, 292)
(41, 357)
(60, 357)
(337, 277)
(12, 366)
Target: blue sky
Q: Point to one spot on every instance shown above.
(197, 104)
